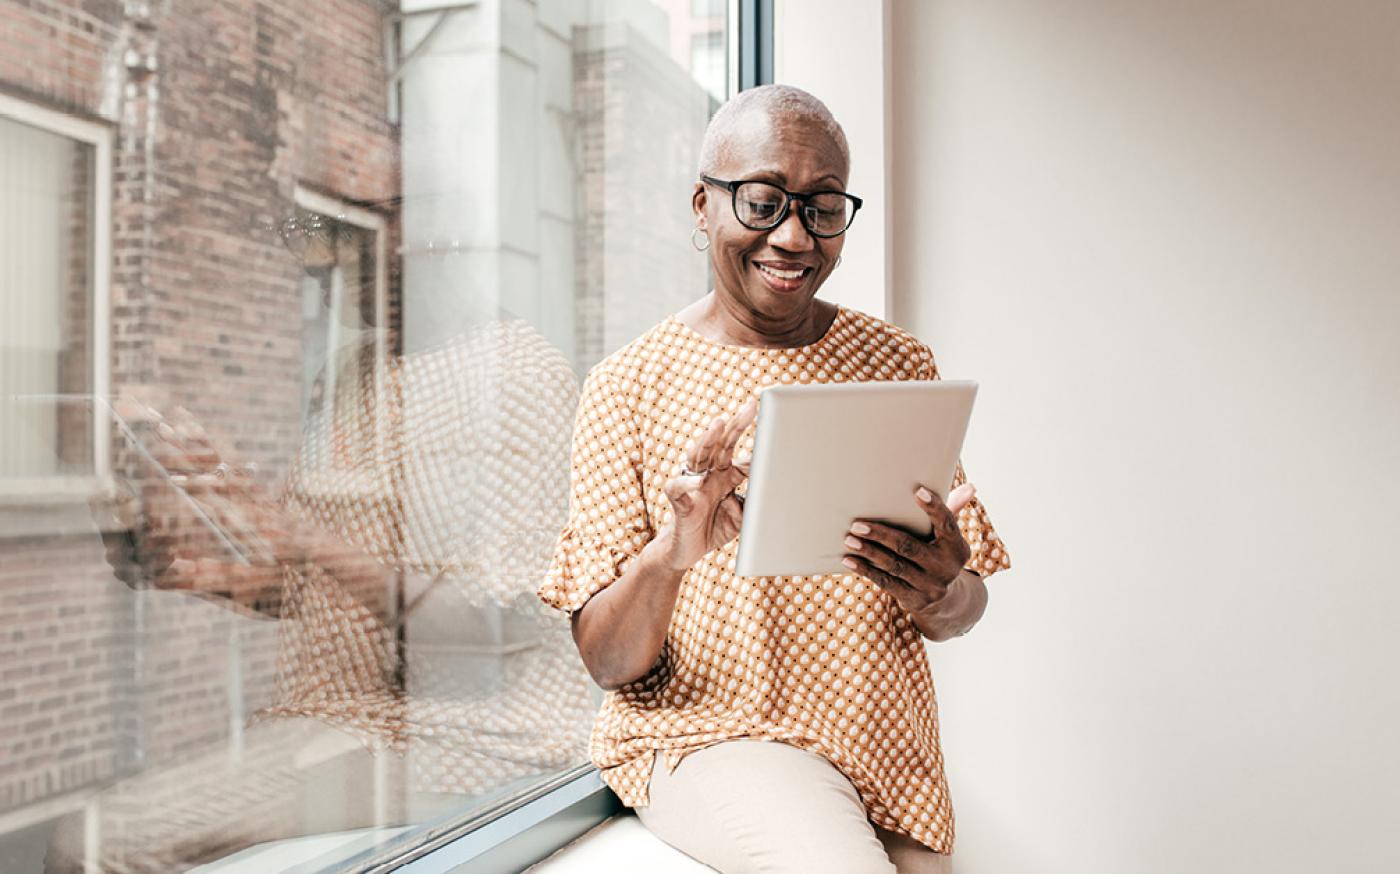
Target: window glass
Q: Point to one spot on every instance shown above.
(45, 303)
(295, 303)
(707, 60)
(707, 8)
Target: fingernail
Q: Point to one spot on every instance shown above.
(850, 563)
(925, 495)
(165, 431)
(860, 528)
(853, 543)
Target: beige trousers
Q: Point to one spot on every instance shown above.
(759, 806)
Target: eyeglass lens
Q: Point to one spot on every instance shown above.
(760, 206)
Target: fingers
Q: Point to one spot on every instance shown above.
(944, 517)
(680, 496)
(731, 514)
(960, 497)
(743, 463)
(891, 550)
(904, 594)
(714, 450)
(947, 536)
(733, 430)
(194, 438)
(133, 412)
(242, 583)
(183, 573)
(184, 447)
(702, 454)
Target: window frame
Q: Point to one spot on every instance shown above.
(58, 489)
(751, 56)
(365, 220)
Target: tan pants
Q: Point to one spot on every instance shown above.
(758, 806)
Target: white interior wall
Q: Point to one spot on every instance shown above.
(835, 50)
(1165, 238)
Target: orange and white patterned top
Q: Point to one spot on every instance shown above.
(826, 663)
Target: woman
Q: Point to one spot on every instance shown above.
(774, 724)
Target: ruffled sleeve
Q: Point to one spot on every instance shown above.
(988, 552)
(608, 523)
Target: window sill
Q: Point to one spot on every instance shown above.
(516, 835)
(618, 843)
(32, 491)
(57, 508)
(294, 853)
(621, 843)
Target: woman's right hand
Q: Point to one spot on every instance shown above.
(708, 514)
(213, 529)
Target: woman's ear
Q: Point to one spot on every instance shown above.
(698, 200)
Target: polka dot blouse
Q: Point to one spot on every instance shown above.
(826, 663)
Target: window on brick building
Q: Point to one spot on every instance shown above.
(51, 236)
(344, 306)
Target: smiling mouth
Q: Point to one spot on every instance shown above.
(785, 275)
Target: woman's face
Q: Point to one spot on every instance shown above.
(800, 157)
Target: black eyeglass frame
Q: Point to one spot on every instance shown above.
(733, 188)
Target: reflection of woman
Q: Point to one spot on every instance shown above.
(414, 676)
(703, 663)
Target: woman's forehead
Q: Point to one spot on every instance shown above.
(792, 150)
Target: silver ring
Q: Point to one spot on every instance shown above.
(686, 471)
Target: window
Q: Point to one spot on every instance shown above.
(53, 240)
(707, 61)
(311, 461)
(344, 307)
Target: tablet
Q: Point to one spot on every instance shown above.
(826, 455)
(219, 520)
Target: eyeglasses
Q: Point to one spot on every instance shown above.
(762, 206)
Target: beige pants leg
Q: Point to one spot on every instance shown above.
(757, 806)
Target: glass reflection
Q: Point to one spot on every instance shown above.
(292, 312)
(415, 675)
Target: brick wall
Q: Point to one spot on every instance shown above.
(62, 620)
(220, 108)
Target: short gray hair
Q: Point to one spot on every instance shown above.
(775, 101)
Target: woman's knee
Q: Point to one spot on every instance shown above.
(764, 807)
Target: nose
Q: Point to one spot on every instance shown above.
(791, 234)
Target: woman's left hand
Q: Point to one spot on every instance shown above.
(916, 571)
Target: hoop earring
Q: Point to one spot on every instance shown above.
(698, 247)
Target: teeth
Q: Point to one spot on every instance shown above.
(782, 274)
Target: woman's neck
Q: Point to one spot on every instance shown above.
(732, 324)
